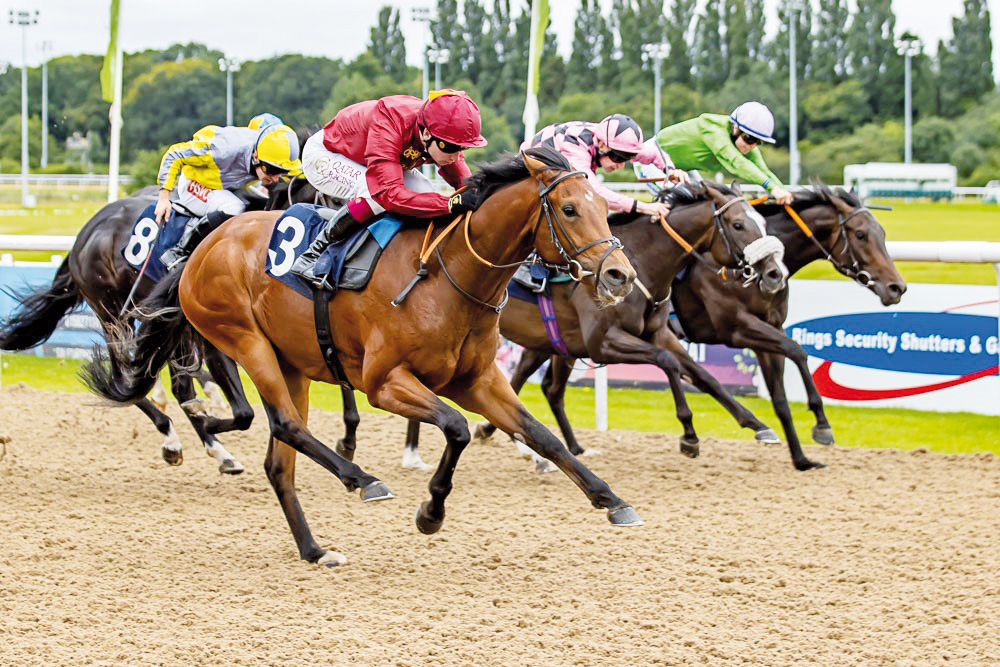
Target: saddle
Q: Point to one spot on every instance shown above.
(531, 280)
(148, 237)
(348, 262)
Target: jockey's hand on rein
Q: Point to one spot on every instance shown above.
(463, 200)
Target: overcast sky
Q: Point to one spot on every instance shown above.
(254, 29)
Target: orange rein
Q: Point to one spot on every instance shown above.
(428, 246)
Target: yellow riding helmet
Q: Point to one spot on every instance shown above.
(278, 148)
(262, 120)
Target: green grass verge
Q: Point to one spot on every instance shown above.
(653, 411)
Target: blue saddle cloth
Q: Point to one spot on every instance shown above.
(348, 261)
(145, 239)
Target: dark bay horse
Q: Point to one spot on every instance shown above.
(712, 310)
(95, 272)
(842, 231)
(440, 341)
(717, 221)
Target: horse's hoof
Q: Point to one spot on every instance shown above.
(377, 490)
(231, 467)
(173, 457)
(809, 465)
(690, 449)
(425, 524)
(331, 559)
(625, 516)
(823, 436)
(343, 451)
(767, 436)
(483, 431)
(544, 466)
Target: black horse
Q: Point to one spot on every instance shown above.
(713, 311)
(95, 272)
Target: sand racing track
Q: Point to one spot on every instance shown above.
(110, 557)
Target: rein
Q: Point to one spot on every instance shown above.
(572, 265)
(854, 272)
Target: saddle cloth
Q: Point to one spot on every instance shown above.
(148, 237)
(530, 280)
(348, 262)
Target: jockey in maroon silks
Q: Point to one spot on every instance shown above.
(368, 156)
(609, 144)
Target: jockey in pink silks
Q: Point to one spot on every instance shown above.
(609, 145)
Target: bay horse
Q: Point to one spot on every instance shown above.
(714, 219)
(710, 310)
(94, 272)
(440, 341)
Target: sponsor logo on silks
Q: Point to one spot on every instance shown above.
(954, 344)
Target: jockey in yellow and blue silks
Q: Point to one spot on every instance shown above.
(206, 170)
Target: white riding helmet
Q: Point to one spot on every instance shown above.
(756, 119)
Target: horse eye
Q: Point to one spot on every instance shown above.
(860, 235)
(569, 209)
(738, 226)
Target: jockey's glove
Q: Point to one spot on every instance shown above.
(463, 200)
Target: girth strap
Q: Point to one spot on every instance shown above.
(321, 313)
(548, 312)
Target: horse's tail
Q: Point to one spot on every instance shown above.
(40, 312)
(128, 369)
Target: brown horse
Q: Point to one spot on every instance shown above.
(440, 341)
(715, 220)
(711, 310)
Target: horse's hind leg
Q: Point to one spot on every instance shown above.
(227, 377)
(822, 432)
(216, 402)
(280, 468)
(183, 388)
(171, 449)
(554, 388)
(346, 445)
(491, 396)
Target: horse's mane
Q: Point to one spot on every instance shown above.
(820, 194)
(693, 193)
(511, 168)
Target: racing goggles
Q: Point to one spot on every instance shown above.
(749, 139)
(273, 170)
(618, 157)
(446, 147)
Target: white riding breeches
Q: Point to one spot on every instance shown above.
(342, 178)
(201, 201)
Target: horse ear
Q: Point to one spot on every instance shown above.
(534, 165)
(736, 188)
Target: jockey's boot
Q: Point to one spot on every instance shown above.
(194, 233)
(305, 264)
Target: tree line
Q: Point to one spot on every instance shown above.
(849, 72)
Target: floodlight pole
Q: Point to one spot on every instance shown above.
(24, 18)
(423, 15)
(229, 65)
(793, 111)
(438, 56)
(657, 52)
(907, 46)
(45, 48)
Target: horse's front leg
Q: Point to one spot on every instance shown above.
(705, 382)
(492, 396)
(773, 370)
(346, 445)
(822, 431)
(618, 346)
(402, 393)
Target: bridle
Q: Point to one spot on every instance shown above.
(572, 265)
(852, 270)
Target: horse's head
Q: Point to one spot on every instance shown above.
(855, 242)
(741, 239)
(575, 232)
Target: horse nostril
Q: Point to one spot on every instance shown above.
(895, 289)
(615, 278)
(774, 275)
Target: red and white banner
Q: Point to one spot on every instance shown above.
(936, 350)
